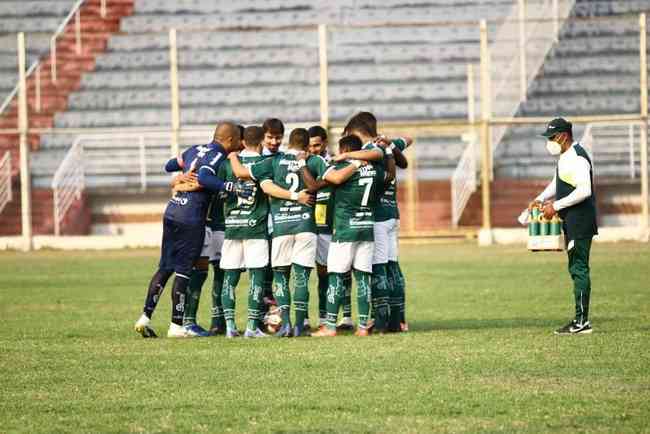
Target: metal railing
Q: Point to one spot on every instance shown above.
(464, 180)
(539, 21)
(6, 195)
(135, 156)
(604, 141)
(36, 66)
(68, 183)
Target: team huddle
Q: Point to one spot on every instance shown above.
(240, 203)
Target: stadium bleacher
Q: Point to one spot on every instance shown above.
(402, 59)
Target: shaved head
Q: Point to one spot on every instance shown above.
(227, 133)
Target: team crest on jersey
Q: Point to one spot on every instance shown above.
(251, 223)
(305, 215)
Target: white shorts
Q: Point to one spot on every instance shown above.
(212, 244)
(294, 249)
(352, 254)
(323, 248)
(386, 243)
(239, 254)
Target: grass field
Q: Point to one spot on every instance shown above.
(480, 357)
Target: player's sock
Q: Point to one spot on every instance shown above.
(301, 294)
(334, 296)
(380, 296)
(197, 278)
(155, 290)
(393, 297)
(281, 292)
(179, 292)
(267, 286)
(347, 296)
(401, 289)
(255, 298)
(363, 296)
(322, 294)
(230, 282)
(218, 320)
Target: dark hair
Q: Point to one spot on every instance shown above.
(253, 135)
(350, 143)
(318, 131)
(359, 119)
(241, 130)
(358, 125)
(299, 137)
(273, 126)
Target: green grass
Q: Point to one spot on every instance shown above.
(480, 357)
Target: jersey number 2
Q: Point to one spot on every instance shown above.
(293, 180)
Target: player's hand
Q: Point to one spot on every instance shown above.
(305, 198)
(382, 141)
(233, 155)
(186, 182)
(243, 189)
(340, 157)
(302, 156)
(549, 211)
(191, 185)
(534, 204)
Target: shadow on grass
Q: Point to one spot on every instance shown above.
(492, 323)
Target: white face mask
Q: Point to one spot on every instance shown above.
(553, 148)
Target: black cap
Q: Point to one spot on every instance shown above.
(557, 126)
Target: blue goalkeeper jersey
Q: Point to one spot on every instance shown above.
(191, 207)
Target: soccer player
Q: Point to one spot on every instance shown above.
(575, 202)
(211, 254)
(373, 150)
(246, 240)
(294, 228)
(323, 216)
(352, 245)
(184, 225)
(387, 229)
(273, 135)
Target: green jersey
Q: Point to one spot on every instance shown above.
(388, 207)
(245, 219)
(283, 170)
(355, 202)
(215, 219)
(324, 211)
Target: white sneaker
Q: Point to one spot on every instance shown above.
(143, 321)
(176, 331)
(142, 326)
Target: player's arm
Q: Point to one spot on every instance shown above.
(374, 154)
(174, 164)
(209, 179)
(400, 159)
(312, 184)
(397, 145)
(238, 169)
(548, 193)
(339, 176)
(583, 186)
(278, 192)
(391, 168)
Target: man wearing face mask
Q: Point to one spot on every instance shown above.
(575, 202)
